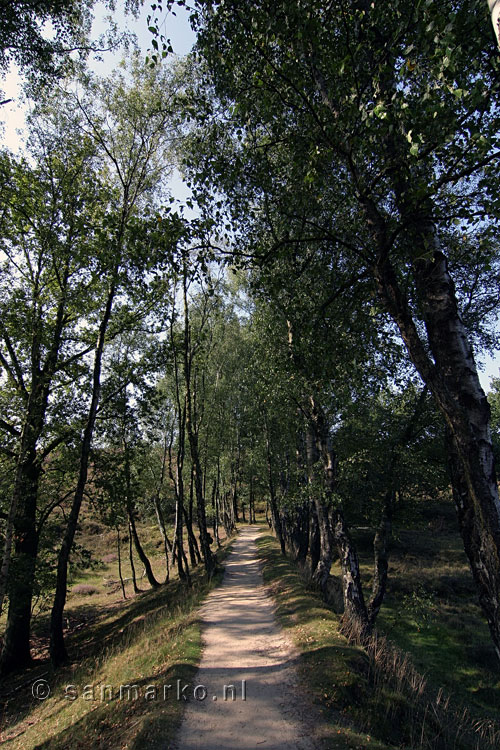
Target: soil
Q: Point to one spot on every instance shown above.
(244, 647)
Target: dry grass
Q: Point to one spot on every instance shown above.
(373, 693)
(152, 639)
(431, 720)
(84, 588)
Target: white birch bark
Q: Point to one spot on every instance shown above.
(494, 6)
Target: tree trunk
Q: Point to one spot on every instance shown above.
(251, 501)
(182, 565)
(194, 551)
(314, 542)
(120, 572)
(354, 602)
(314, 442)
(453, 381)
(460, 397)
(131, 558)
(275, 515)
(235, 475)
(167, 545)
(335, 528)
(215, 507)
(299, 534)
(22, 513)
(381, 558)
(58, 652)
(140, 550)
(188, 520)
(16, 645)
(192, 431)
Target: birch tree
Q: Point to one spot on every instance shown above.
(382, 115)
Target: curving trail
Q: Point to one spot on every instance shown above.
(244, 647)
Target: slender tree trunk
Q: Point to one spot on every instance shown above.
(58, 652)
(300, 527)
(16, 645)
(192, 428)
(299, 536)
(227, 513)
(215, 506)
(453, 381)
(251, 508)
(167, 545)
(140, 549)
(120, 572)
(188, 519)
(268, 515)
(354, 603)
(182, 565)
(461, 399)
(194, 550)
(177, 478)
(235, 475)
(321, 570)
(208, 556)
(314, 540)
(275, 515)
(381, 558)
(131, 558)
(131, 510)
(22, 469)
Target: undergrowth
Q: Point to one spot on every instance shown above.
(114, 695)
(369, 692)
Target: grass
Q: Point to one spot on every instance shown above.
(148, 642)
(376, 697)
(389, 694)
(332, 672)
(432, 612)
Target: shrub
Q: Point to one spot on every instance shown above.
(85, 588)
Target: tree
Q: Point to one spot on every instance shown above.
(122, 461)
(194, 415)
(25, 38)
(381, 114)
(129, 124)
(47, 281)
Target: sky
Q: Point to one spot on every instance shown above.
(178, 30)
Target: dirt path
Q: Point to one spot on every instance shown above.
(244, 647)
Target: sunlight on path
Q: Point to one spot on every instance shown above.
(245, 648)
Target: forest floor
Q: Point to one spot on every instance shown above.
(429, 679)
(246, 649)
(114, 693)
(306, 684)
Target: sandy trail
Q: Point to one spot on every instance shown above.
(244, 647)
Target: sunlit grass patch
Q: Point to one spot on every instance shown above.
(146, 643)
(376, 695)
